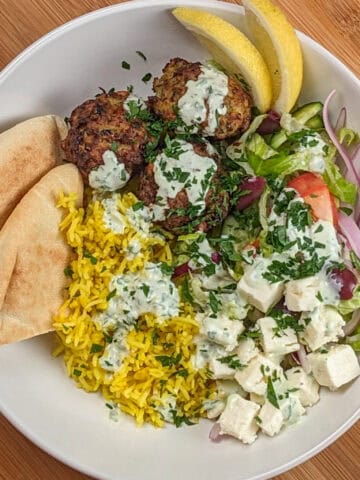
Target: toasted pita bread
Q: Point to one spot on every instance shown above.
(27, 152)
(33, 255)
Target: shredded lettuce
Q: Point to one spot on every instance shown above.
(338, 185)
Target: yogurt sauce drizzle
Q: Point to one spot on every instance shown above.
(186, 170)
(111, 176)
(147, 291)
(204, 99)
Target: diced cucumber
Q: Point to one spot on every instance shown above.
(303, 115)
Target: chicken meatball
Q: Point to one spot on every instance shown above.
(105, 142)
(182, 187)
(206, 99)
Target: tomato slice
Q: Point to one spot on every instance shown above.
(315, 192)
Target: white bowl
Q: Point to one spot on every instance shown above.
(52, 76)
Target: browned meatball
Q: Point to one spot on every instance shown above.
(180, 215)
(102, 124)
(172, 85)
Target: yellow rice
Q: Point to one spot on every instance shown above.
(142, 385)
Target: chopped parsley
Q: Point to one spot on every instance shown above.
(168, 360)
(96, 348)
(186, 292)
(180, 419)
(166, 269)
(284, 321)
(214, 302)
(111, 294)
(76, 372)
(145, 288)
(141, 55)
(271, 394)
(232, 361)
(125, 65)
(68, 272)
(137, 206)
(114, 146)
(92, 259)
(147, 77)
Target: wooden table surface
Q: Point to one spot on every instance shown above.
(333, 23)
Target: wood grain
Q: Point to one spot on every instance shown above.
(333, 23)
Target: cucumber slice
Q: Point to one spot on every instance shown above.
(303, 115)
(308, 111)
(316, 123)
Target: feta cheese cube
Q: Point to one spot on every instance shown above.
(246, 350)
(220, 329)
(336, 367)
(220, 370)
(256, 289)
(301, 295)
(323, 325)
(307, 387)
(253, 378)
(274, 341)
(238, 419)
(270, 419)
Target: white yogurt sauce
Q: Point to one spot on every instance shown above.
(188, 171)
(204, 99)
(147, 291)
(112, 218)
(111, 176)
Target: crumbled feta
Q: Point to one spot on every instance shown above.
(323, 325)
(336, 367)
(256, 289)
(238, 419)
(305, 384)
(274, 341)
(301, 295)
(220, 329)
(253, 378)
(246, 350)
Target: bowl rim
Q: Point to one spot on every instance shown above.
(87, 18)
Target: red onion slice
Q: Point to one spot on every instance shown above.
(295, 357)
(345, 280)
(304, 362)
(341, 120)
(214, 434)
(353, 175)
(270, 124)
(216, 257)
(352, 324)
(181, 270)
(255, 186)
(351, 231)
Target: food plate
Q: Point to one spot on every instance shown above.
(60, 71)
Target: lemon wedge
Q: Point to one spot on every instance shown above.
(231, 49)
(275, 38)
